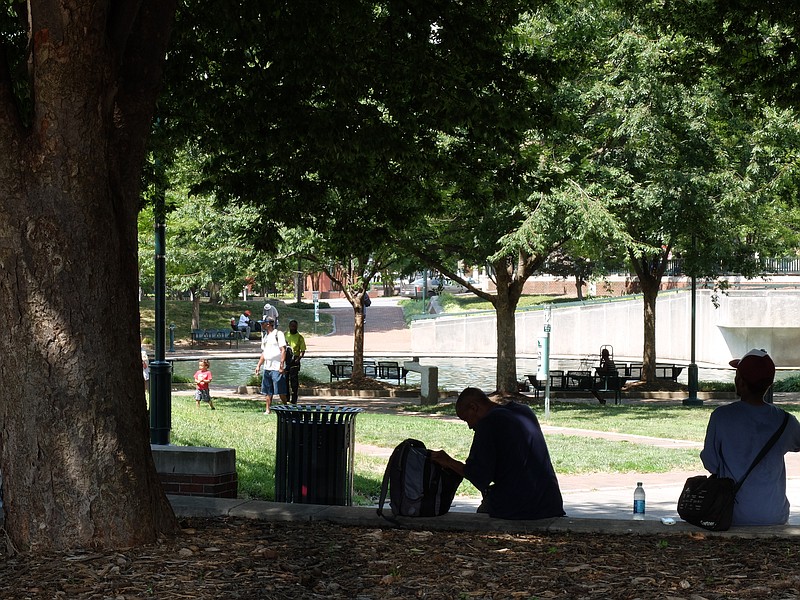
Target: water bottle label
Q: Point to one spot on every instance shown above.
(638, 507)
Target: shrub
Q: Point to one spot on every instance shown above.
(790, 384)
(716, 386)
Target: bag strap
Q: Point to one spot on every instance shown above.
(396, 457)
(384, 488)
(767, 447)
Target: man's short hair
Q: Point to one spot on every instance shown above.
(471, 393)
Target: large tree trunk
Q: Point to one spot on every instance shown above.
(196, 309)
(650, 295)
(76, 462)
(509, 289)
(650, 270)
(358, 337)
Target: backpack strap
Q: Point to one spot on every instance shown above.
(384, 487)
(767, 447)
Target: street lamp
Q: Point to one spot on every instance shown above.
(160, 369)
(693, 400)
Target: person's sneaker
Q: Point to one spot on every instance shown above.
(266, 412)
(212, 408)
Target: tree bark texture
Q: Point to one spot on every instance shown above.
(76, 462)
(509, 289)
(650, 270)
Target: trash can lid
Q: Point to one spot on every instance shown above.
(317, 408)
(315, 414)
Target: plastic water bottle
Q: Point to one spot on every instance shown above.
(638, 502)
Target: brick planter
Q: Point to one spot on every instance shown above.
(197, 471)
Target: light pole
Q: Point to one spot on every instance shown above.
(160, 369)
(693, 400)
(544, 358)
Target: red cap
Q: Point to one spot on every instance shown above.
(247, 312)
(755, 367)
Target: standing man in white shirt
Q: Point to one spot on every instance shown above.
(273, 357)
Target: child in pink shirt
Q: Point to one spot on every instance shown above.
(202, 377)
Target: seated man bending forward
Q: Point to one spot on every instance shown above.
(508, 461)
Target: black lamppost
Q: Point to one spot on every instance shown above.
(160, 369)
(693, 400)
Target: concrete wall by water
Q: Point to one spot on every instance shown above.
(767, 319)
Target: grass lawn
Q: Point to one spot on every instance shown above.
(239, 424)
(218, 316)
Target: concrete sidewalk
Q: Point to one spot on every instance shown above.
(457, 519)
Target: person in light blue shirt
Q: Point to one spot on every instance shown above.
(738, 431)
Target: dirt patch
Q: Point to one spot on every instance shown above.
(365, 383)
(656, 386)
(243, 559)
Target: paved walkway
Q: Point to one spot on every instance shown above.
(596, 501)
(385, 330)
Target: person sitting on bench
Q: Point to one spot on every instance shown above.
(245, 324)
(606, 369)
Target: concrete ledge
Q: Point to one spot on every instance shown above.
(197, 470)
(363, 516)
(194, 460)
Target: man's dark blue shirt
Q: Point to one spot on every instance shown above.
(509, 463)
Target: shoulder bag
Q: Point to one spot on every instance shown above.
(708, 501)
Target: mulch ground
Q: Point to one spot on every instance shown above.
(242, 559)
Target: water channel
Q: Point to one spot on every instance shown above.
(454, 373)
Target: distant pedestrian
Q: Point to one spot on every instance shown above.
(202, 378)
(270, 312)
(365, 302)
(273, 357)
(145, 366)
(606, 370)
(245, 324)
(146, 372)
(298, 345)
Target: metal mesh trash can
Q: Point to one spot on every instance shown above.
(315, 446)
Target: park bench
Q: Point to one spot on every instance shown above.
(391, 370)
(340, 369)
(599, 382)
(216, 335)
(663, 371)
(370, 369)
(343, 369)
(557, 382)
(575, 381)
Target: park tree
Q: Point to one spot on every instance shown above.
(685, 162)
(78, 85)
(351, 266)
(753, 46)
(511, 200)
(347, 136)
(206, 250)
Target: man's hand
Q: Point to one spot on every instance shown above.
(442, 458)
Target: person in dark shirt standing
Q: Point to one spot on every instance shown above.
(508, 461)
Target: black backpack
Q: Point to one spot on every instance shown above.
(288, 358)
(417, 486)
